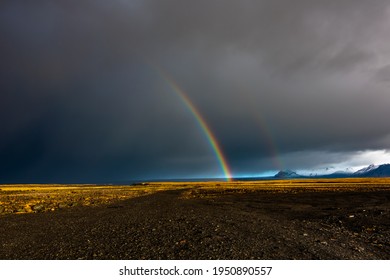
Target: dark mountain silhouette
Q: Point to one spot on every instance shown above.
(381, 171)
(287, 174)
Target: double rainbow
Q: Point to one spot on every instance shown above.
(212, 140)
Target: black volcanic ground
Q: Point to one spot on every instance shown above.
(196, 221)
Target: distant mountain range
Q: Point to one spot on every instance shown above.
(369, 171)
(366, 169)
(287, 174)
(380, 171)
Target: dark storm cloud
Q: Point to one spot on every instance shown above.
(383, 74)
(81, 99)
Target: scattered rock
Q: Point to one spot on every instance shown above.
(181, 242)
(38, 207)
(62, 205)
(28, 209)
(359, 249)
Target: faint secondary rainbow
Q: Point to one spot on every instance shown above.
(201, 122)
(264, 129)
(272, 148)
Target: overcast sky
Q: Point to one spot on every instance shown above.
(301, 85)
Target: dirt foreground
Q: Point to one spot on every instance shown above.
(280, 219)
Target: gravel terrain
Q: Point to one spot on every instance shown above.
(196, 223)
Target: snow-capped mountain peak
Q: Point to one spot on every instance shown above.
(366, 169)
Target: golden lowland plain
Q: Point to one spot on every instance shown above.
(266, 219)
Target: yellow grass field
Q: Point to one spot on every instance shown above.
(32, 198)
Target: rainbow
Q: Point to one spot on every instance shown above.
(264, 130)
(212, 140)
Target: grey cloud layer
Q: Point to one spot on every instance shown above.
(79, 94)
